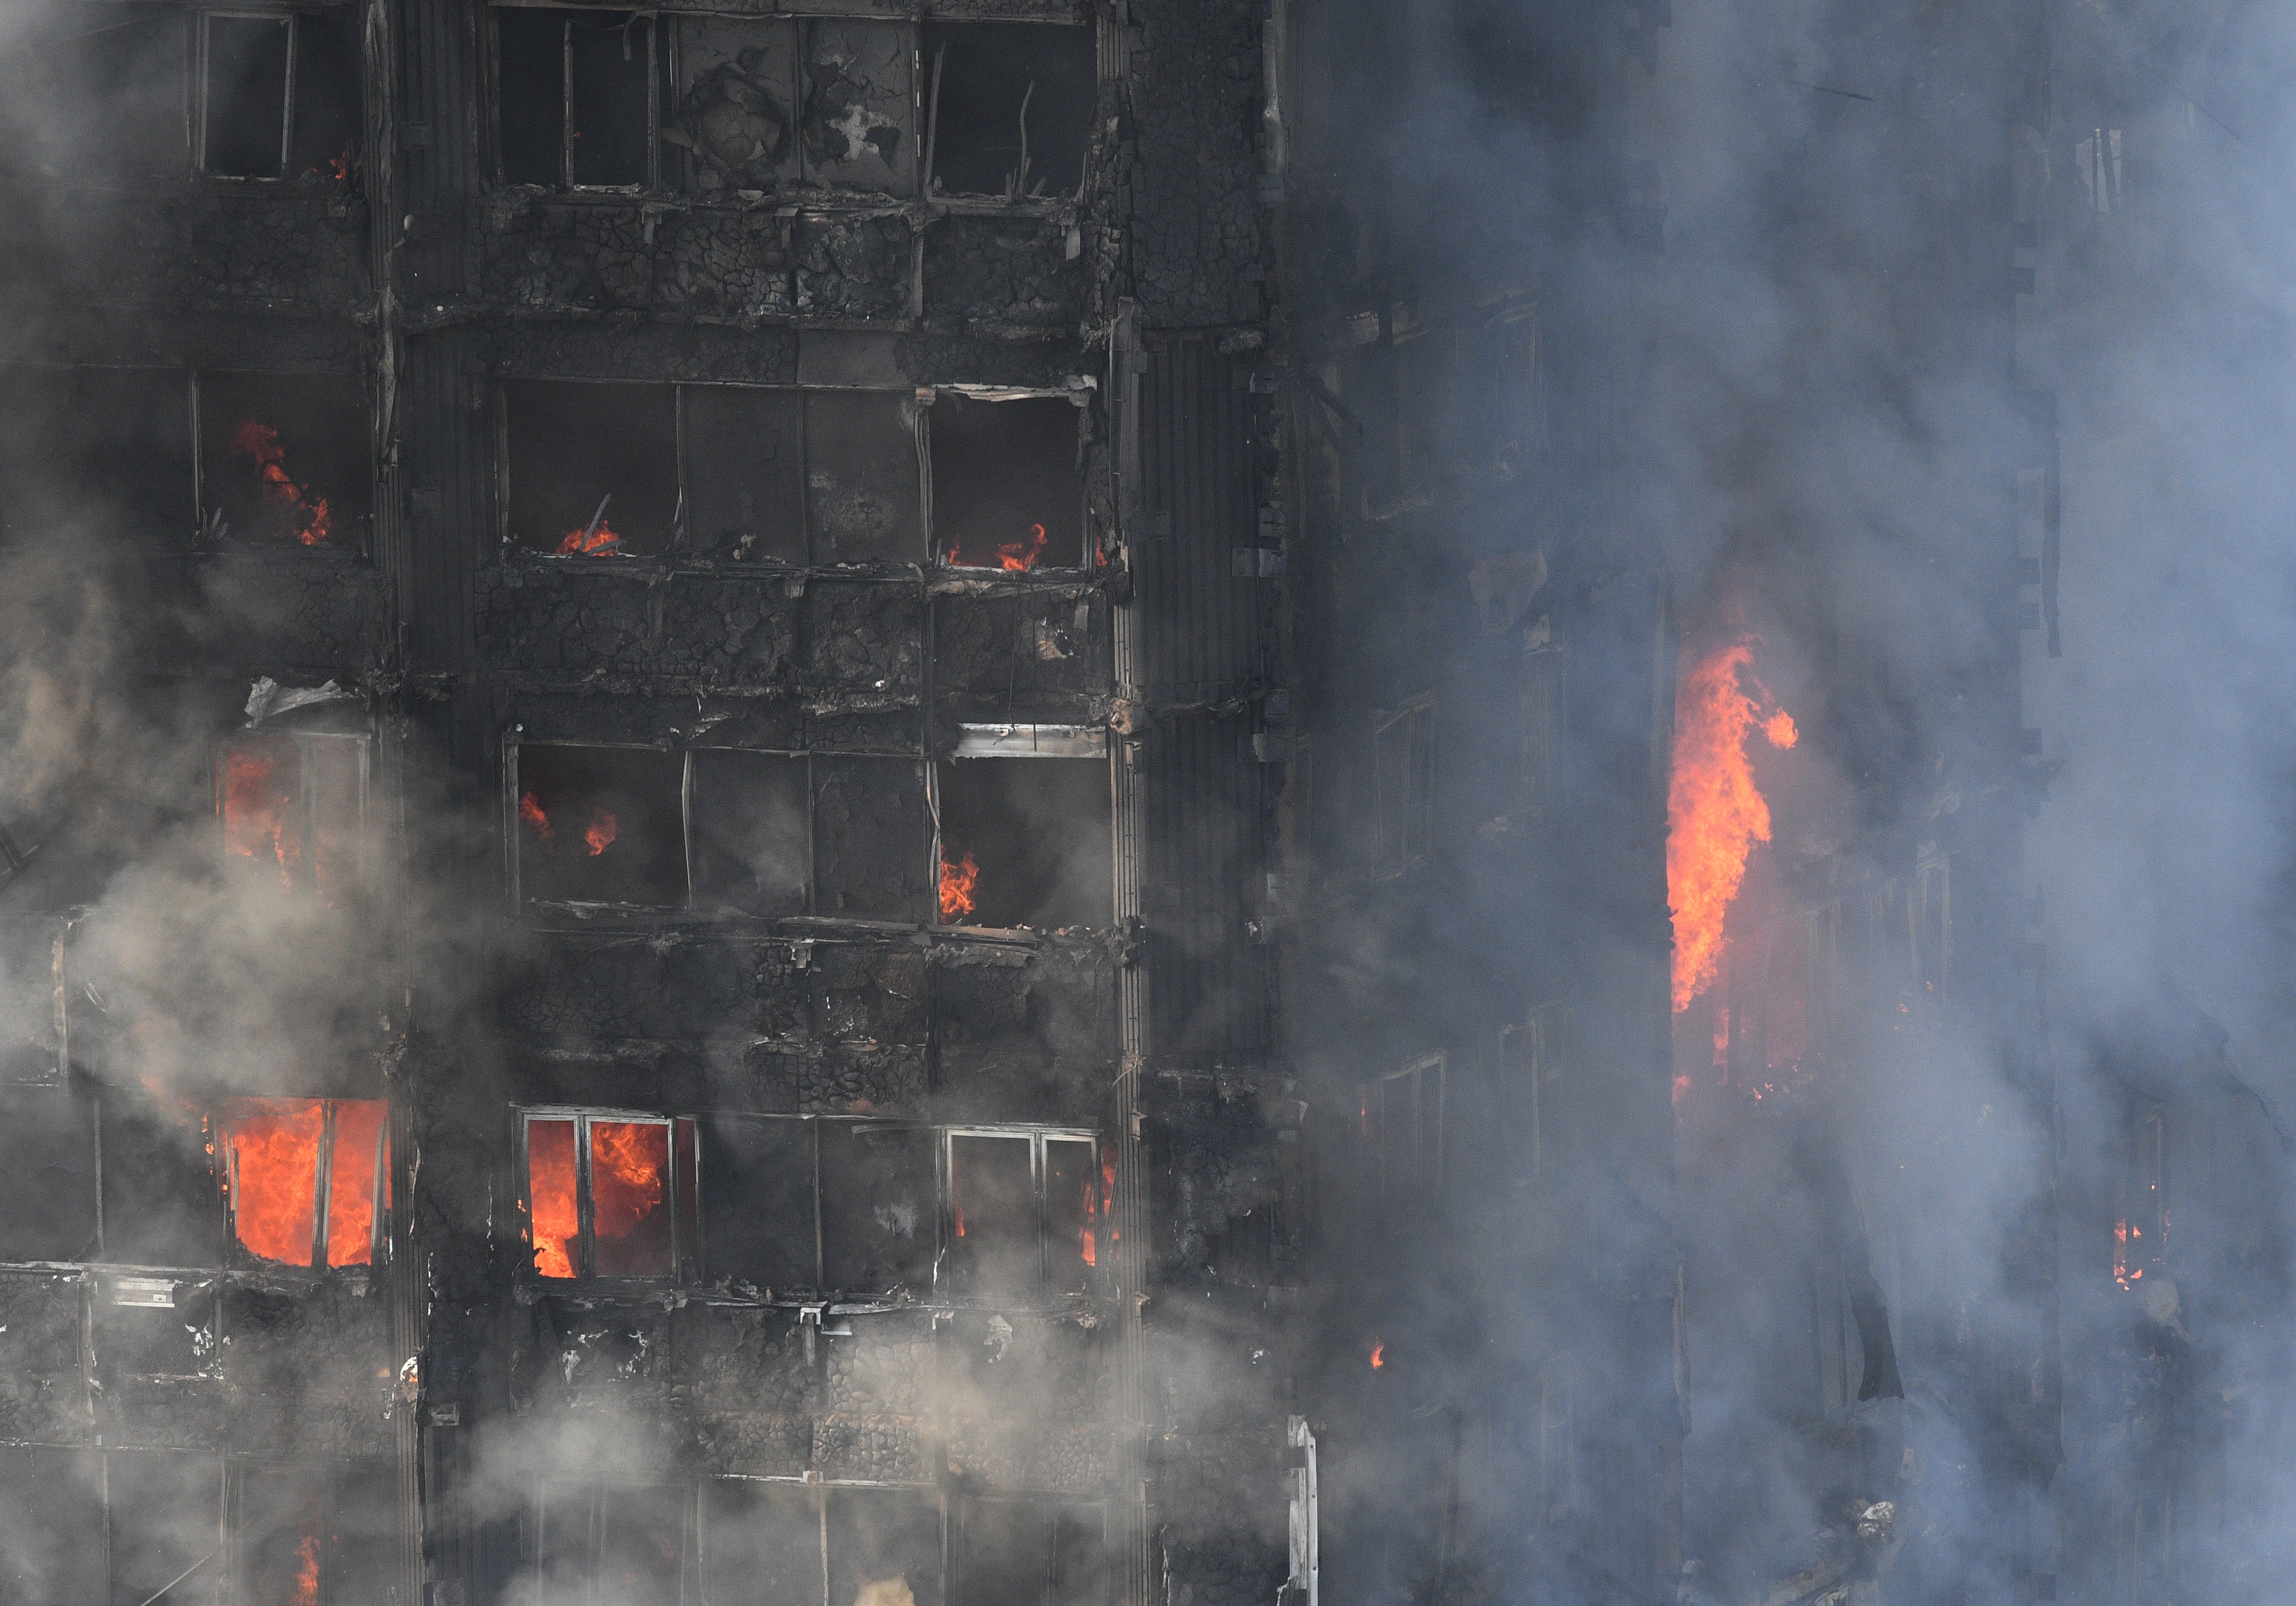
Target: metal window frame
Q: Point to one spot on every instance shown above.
(1016, 741)
(202, 97)
(660, 58)
(322, 1187)
(1078, 392)
(684, 1236)
(1415, 827)
(945, 1146)
(306, 804)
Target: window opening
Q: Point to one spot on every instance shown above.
(166, 1518)
(593, 467)
(577, 97)
(278, 1522)
(294, 805)
(1025, 842)
(306, 1181)
(752, 844)
(47, 1205)
(761, 1542)
(1024, 1210)
(244, 89)
(878, 1205)
(1403, 1114)
(1403, 785)
(1007, 487)
(884, 1547)
(744, 472)
(1030, 1553)
(162, 1204)
(610, 1195)
(283, 457)
(861, 490)
(601, 825)
(140, 462)
(1011, 105)
(606, 1543)
(736, 92)
(127, 68)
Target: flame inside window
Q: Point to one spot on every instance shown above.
(629, 1176)
(281, 1155)
(261, 785)
(295, 806)
(957, 881)
(551, 1194)
(285, 458)
(299, 511)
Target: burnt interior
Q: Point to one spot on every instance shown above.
(857, 112)
(1037, 831)
(601, 825)
(1015, 105)
(993, 1246)
(593, 467)
(752, 841)
(1007, 482)
(141, 470)
(869, 840)
(879, 1206)
(47, 1197)
(861, 478)
(244, 95)
(576, 96)
(758, 1222)
(159, 1201)
(283, 459)
(744, 472)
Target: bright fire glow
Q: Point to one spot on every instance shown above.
(1014, 558)
(305, 513)
(1715, 813)
(1378, 1354)
(957, 881)
(307, 1570)
(601, 541)
(600, 832)
(629, 1197)
(258, 807)
(530, 810)
(550, 1189)
(274, 1175)
(350, 1181)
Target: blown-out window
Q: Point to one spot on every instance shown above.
(610, 1195)
(1008, 107)
(760, 834)
(278, 94)
(283, 459)
(860, 1205)
(307, 1180)
(1029, 1552)
(1402, 1115)
(1025, 824)
(606, 1542)
(1007, 482)
(293, 804)
(579, 97)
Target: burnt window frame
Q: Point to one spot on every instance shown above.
(237, 1254)
(1421, 1172)
(1015, 741)
(308, 804)
(1079, 395)
(661, 69)
(524, 907)
(681, 545)
(686, 1252)
(1415, 833)
(207, 512)
(942, 1181)
(197, 98)
(928, 75)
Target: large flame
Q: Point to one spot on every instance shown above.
(549, 1181)
(1714, 811)
(595, 541)
(629, 1197)
(305, 513)
(258, 809)
(307, 1570)
(958, 879)
(1014, 558)
(350, 1181)
(274, 1175)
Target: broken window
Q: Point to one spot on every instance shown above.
(606, 1542)
(166, 1524)
(761, 1542)
(601, 825)
(279, 95)
(1026, 841)
(47, 1197)
(592, 467)
(1025, 1211)
(1009, 107)
(1007, 482)
(1403, 785)
(884, 1547)
(283, 457)
(751, 849)
(611, 1195)
(1030, 1553)
(1403, 1116)
(294, 805)
(757, 1202)
(161, 1205)
(578, 95)
(878, 1205)
(307, 1181)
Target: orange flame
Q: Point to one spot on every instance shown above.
(274, 1176)
(1014, 558)
(1715, 813)
(258, 809)
(629, 1161)
(556, 1224)
(600, 832)
(307, 1571)
(592, 543)
(309, 520)
(530, 810)
(957, 881)
(350, 1181)
(1378, 1354)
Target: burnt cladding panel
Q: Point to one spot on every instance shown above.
(1209, 635)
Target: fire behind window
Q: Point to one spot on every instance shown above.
(283, 459)
(307, 1180)
(1011, 104)
(1025, 842)
(294, 805)
(1024, 1207)
(611, 1196)
(279, 95)
(592, 468)
(1007, 493)
(601, 825)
